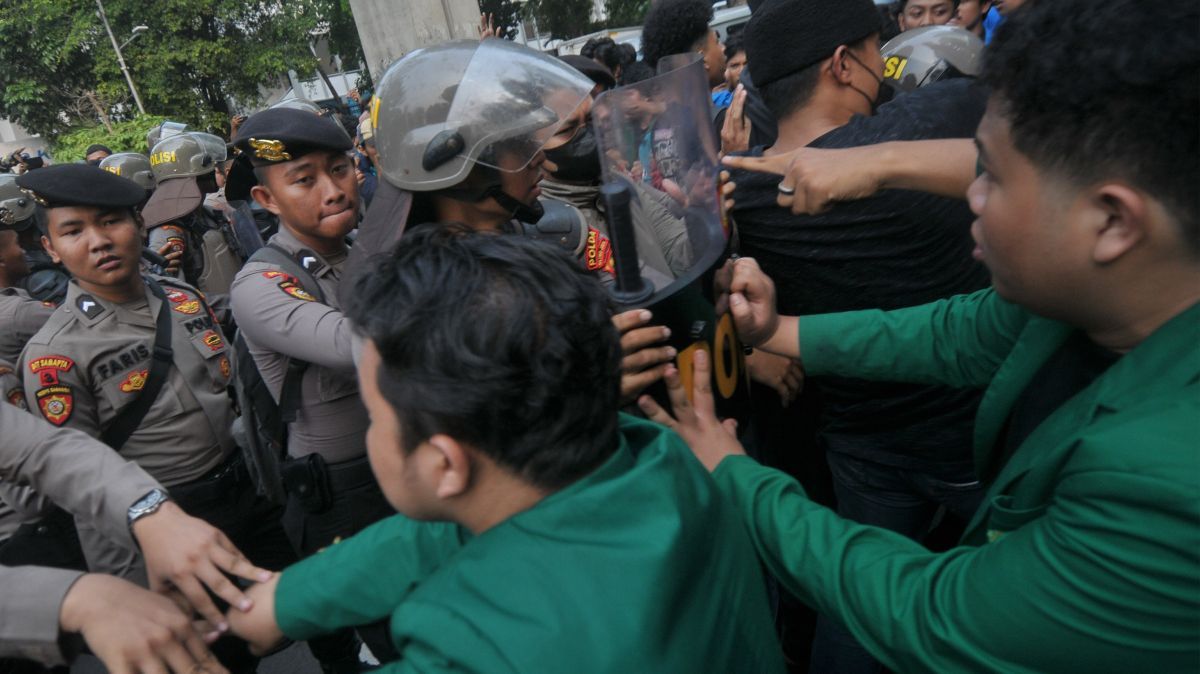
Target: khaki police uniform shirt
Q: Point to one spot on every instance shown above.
(86, 478)
(280, 320)
(20, 317)
(17, 504)
(91, 360)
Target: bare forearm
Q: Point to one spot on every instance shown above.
(942, 167)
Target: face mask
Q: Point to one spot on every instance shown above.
(578, 161)
(879, 95)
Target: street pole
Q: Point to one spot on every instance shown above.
(120, 59)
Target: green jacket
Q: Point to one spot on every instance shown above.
(639, 567)
(1085, 556)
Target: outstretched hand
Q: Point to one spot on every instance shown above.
(186, 557)
(814, 179)
(695, 419)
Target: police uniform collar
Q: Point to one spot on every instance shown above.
(87, 308)
(314, 263)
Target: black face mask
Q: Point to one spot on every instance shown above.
(578, 161)
(880, 96)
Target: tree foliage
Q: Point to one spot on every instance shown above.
(561, 19)
(196, 57)
(622, 13)
(506, 15)
(126, 136)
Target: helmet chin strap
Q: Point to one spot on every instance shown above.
(520, 210)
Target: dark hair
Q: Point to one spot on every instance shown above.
(674, 27)
(636, 72)
(499, 341)
(1094, 90)
(792, 92)
(603, 50)
(735, 43)
(628, 53)
(899, 5)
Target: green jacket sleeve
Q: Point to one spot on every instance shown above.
(960, 341)
(361, 579)
(1100, 581)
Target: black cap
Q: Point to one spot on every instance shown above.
(786, 36)
(596, 72)
(96, 148)
(80, 185)
(276, 136)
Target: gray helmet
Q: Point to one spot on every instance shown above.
(187, 154)
(16, 207)
(921, 56)
(131, 165)
(443, 109)
(301, 104)
(164, 130)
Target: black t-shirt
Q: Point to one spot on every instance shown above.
(1072, 368)
(895, 249)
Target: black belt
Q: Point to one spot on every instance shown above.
(350, 474)
(216, 482)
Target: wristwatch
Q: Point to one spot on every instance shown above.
(146, 505)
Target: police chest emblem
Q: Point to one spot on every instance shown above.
(89, 306)
(213, 340)
(269, 150)
(188, 307)
(599, 252)
(135, 381)
(225, 368)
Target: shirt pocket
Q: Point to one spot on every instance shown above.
(121, 390)
(217, 357)
(1004, 516)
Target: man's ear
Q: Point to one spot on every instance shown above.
(1120, 216)
(839, 64)
(263, 196)
(455, 466)
(49, 248)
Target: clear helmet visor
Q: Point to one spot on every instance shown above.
(442, 109)
(512, 99)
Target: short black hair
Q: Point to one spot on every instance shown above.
(1095, 90)
(674, 27)
(735, 43)
(499, 341)
(636, 72)
(792, 92)
(604, 50)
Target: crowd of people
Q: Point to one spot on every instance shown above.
(422, 383)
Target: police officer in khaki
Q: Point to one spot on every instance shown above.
(20, 314)
(140, 362)
(45, 610)
(184, 169)
(285, 301)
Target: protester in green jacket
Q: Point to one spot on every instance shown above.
(1084, 556)
(563, 538)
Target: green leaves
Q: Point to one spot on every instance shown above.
(196, 57)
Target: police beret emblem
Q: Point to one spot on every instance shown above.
(269, 150)
(35, 196)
